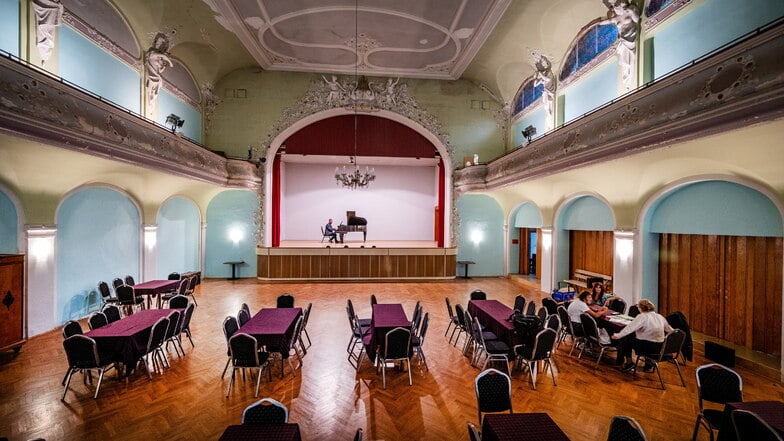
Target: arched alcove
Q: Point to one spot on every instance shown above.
(480, 236)
(230, 233)
(178, 237)
(11, 215)
(525, 223)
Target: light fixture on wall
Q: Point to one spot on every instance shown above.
(235, 235)
(355, 178)
(174, 122)
(529, 132)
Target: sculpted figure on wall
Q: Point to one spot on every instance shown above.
(544, 76)
(155, 61)
(48, 15)
(625, 16)
(335, 91)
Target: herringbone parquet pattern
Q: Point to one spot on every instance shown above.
(328, 398)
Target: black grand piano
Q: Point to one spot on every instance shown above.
(354, 224)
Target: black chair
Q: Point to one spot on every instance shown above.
(106, 294)
(285, 351)
(112, 313)
(265, 411)
(493, 392)
(191, 289)
(96, 320)
(750, 427)
(478, 294)
(129, 299)
(454, 322)
(553, 322)
(494, 350)
(617, 305)
(362, 322)
(530, 308)
(542, 314)
(358, 435)
(305, 318)
(473, 433)
(154, 352)
(550, 304)
(243, 317)
(373, 300)
(592, 338)
(324, 234)
(82, 353)
(461, 324)
(416, 318)
(418, 340)
(671, 349)
(129, 280)
(716, 384)
(285, 301)
(173, 332)
(623, 428)
(245, 354)
(181, 291)
(178, 302)
(634, 311)
(72, 327)
(528, 356)
(230, 327)
(397, 347)
(174, 276)
(519, 303)
(117, 282)
(186, 324)
(357, 334)
(566, 327)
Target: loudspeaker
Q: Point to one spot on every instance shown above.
(720, 354)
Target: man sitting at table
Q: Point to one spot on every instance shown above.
(580, 306)
(331, 232)
(649, 329)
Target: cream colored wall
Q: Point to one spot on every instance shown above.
(752, 154)
(41, 175)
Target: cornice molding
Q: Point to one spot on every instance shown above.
(740, 86)
(38, 106)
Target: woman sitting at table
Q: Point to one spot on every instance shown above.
(599, 297)
(580, 306)
(645, 334)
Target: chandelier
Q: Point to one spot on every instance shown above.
(355, 178)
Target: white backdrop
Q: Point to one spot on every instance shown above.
(398, 205)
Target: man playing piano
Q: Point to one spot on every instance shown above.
(330, 231)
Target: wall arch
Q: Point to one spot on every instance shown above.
(230, 233)
(525, 215)
(178, 236)
(11, 219)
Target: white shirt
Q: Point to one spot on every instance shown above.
(647, 326)
(576, 308)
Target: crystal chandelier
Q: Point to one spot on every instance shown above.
(355, 178)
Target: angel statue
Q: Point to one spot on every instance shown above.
(544, 76)
(48, 15)
(389, 92)
(155, 61)
(625, 16)
(335, 90)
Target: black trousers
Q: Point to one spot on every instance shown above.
(626, 344)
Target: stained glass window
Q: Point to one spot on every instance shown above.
(655, 6)
(591, 44)
(527, 96)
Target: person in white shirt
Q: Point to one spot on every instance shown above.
(580, 306)
(645, 334)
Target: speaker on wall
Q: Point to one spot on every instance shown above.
(720, 354)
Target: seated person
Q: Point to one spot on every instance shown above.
(330, 231)
(599, 297)
(579, 306)
(648, 330)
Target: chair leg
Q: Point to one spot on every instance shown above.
(98, 387)
(231, 381)
(658, 372)
(226, 367)
(678, 368)
(258, 382)
(383, 374)
(408, 364)
(550, 365)
(67, 381)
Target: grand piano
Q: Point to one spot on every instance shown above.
(354, 224)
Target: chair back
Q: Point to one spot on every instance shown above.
(158, 333)
(72, 327)
(306, 315)
(129, 280)
(285, 301)
(174, 276)
(563, 314)
(373, 300)
(672, 345)
(245, 307)
(96, 320)
(493, 391)
(82, 352)
(112, 313)
(751, 427)
(449, 308)
(634, 311)
(103, 288)
(623, 428)
(617, 305)
(182, 288)
(543, 344)
(589, 327)
(550, 304)
(530, 308)
(397, 344)
(460, 314)
(297, 331)
(358, 435)
(423, 329)
(192, 282)
(186, 320)
(174, 323)
(542, 314)
(230, 327)
(243, 317)
(117, 282)
(350, 306)
(478, 294)
(519, 303)
(265, 411)
(178, 302)
(553, 322)
(718, 384)
(244, 350)
(125, 295)
(416, 319)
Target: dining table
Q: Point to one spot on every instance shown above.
(772, 412)
(385, 317)
(517, 426)
(125, 340)
(273, 328)
(495, 317)
(267, 432)
(155, 288)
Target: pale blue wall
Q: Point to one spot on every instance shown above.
(9, 26)
(586, 213)
(168, 104)
(528, 216)
(589, 92)
(716, 207)
(98, 238)
(706, 27)
(9, 226)
(481, 213)
(84, 63)
(514, 251)
(532, 118)
(229, 210)
(179, 230)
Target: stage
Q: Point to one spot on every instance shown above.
(356, 260)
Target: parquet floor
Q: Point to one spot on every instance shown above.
(328, 398)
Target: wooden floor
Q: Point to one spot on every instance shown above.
(328, 398)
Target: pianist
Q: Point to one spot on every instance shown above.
(331, 232)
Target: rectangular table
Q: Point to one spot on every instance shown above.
(155, 288)
(126, 339)
(517, 426)
(273, 326)
(494, 316)
(386, 317)
(772, 412)
(267, 432)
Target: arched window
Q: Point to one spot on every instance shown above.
(593, 42)
(655, 6)
(527, 95)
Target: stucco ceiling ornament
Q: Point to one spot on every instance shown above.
(728, 79)
(48, 16)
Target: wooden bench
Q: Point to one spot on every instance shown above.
(583, 279)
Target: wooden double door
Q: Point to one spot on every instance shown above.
(729, 287)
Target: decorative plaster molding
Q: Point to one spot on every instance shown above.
(101, 40)
(664, 14)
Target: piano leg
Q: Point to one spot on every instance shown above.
(364, 236)
(341, 237)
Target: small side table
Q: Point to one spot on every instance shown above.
(465, 263)
(234, 264)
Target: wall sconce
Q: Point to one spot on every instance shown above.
(174, 122)
(624, 245)
(529, 132)
(235, 235)
(477, 236)
(150, 236)
(41, 243)
(547, 238)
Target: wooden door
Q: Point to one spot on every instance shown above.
(591, 250)
(525, 259)
(12, 301)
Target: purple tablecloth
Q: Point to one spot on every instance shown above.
(267, 432)
(155, 288)
(517, 426)
(772, 412)
(273, 326)
(386, 317)
(494, 316)
(126, 339)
